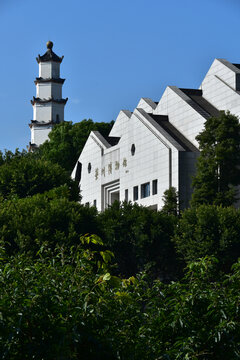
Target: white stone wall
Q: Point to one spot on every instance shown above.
(224, 70)
(150, 162)
(121, 123)
(48, 90)
(42, 112)
(90, 188)
(218, 91)
(147, 105)
(180, 113)
(49, 70)
(57, 109)
(39, 134)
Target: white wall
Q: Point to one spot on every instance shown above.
(42, 112)
(49, 70)
(48, 90)
(217, 90)
(39, 134)
(180, 113)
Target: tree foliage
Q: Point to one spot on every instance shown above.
(218, 166)
(209, 230)
(50, 218)
(25, 175)
(139, 236)
(67, 140)
(69, 306)
(171, 201)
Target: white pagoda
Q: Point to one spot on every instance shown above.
(48, 105)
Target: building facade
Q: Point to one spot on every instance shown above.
(154, 147)
(48, 105)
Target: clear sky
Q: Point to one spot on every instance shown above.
(115, 52)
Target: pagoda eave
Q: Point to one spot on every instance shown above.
(49, 56)
(40, 80)
(40, 124)
(45, 101)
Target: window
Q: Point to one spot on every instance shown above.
(95, 203)
(145, 190)
(154, 187)
(89, 167)
(126, 195)
(78, 172)
(57, 119)
(135, 193)
(133, 149)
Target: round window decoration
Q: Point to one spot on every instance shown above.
(89, 167)
(133, 149)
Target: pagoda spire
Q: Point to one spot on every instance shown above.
(48, 104)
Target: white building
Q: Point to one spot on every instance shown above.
(154, 147)
(48, 105)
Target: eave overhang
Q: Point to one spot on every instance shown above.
(45, 101)
(40, 80)
(40, 123)
(49, 56)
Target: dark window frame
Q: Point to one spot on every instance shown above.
(135, 193)
(145, 190)
(126, 194)
(155, 187)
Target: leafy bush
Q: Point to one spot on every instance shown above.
(139, 237)
(209, 230)
(50, 218)
(25, 175)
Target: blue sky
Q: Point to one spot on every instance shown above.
(115, 52)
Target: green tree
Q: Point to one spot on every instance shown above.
(218, 166)
(47, 305)
(67, 140)
(24, 175)
(50, 218)
(171, 201)
(209, 230)
(139, 237)
(67, 305)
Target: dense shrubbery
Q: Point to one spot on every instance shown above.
(25, 175)
(48, 218)
(209, 230)
(62, 295)
(140, 237)
(68, 306)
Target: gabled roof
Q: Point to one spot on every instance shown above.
(107, 141)
(196, 96)
(233, 67)
(237, 66)
(163, 121)
(112, 140)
